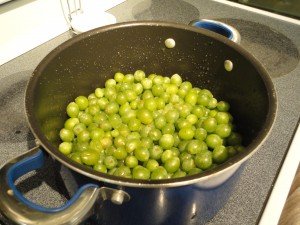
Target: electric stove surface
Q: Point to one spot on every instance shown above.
(275, 43)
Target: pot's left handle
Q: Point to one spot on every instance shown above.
(15, 207)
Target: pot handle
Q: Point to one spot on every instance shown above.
(218, 27)
(15, 207)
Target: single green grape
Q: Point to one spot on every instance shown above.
(70, 123)
(139, 75)
(159, 173)
(194, 171)
(191, 98)
(140, 172)
(204, 160)
(112, 108)
(65, 148)
(66, 135)
(150, 104)
(152, 164)
(82, 102)
(75, 156)
(145, 116)
(100, 168)
(166, 141)
(220, 154)
(187, 165)
(73, 110)
(83, 136)
(110, 162)
(156, 152)
(176, 79)
(132, 144)
(85, 118)
(147, 83)
(213, 140)
(172, 164)
(209, 124)
(119, 77)
(223, 106)
(134, 125)
(222, 118)
(223, 130)
(123, 171)
(89, 157)
(142, 154)
(178, 174)
(200, 134)
(186, 133)
(99, 92)
(157, 90)
(131, 161)
(120, 153)
(196, 146)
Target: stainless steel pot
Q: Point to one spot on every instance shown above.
(83, 63)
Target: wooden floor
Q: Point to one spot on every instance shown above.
(291, 211)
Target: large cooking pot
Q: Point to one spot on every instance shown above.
(82, 64)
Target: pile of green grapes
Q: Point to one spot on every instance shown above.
(149, 127)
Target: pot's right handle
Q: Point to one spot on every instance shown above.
(218, 27)
(15, 207)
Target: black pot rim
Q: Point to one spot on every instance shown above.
(202, 177)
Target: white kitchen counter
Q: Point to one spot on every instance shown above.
(26, 24)
(283, 183)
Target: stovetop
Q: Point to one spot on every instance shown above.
(275, 43)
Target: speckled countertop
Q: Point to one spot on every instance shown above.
(273, 42)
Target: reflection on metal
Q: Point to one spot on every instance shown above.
(194, 209)
(161, 198)
(161, 206)
(116, 196)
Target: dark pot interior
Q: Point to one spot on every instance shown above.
(83, 63)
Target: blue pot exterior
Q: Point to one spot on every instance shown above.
(152, 206)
